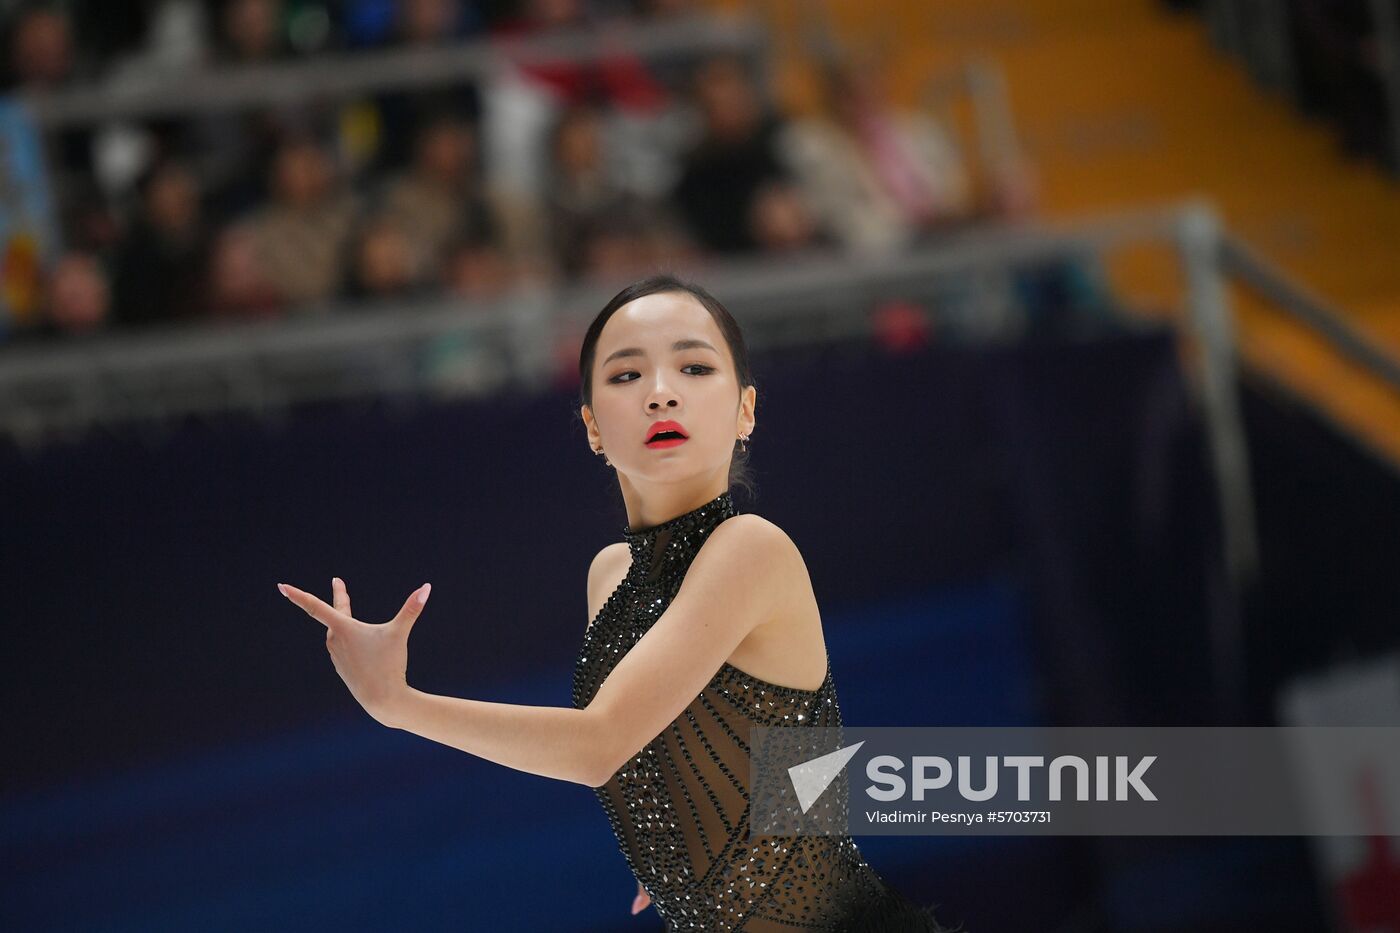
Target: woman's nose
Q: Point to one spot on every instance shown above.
(662, 394)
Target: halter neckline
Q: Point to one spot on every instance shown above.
(672, 544)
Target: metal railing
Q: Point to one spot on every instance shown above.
(1250, 268)
(148, 92)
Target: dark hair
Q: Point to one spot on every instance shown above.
(739, 473)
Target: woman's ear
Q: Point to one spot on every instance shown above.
(748, 402)
(591, 425)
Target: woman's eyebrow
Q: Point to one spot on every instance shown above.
(686, 344)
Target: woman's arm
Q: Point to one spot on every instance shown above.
(728, 590)
(552, 741)
(372, 660)
(735, 583)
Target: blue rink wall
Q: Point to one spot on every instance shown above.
(996, 536)
(345, 825)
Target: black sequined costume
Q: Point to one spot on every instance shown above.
(680, 806)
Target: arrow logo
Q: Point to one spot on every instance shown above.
(810, 778)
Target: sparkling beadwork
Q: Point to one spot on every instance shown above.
(680, 807)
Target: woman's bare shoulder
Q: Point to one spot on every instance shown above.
(788, 648)
(789, 569)
(774, 535)
(609, 567)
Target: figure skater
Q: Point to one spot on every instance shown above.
(702, 624)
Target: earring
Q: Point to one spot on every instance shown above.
(599, 451)
(744, 443)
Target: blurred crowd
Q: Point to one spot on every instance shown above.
(1337, 60)
(543, 172)
(1341, 73)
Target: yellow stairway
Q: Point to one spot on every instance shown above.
(1124, 103)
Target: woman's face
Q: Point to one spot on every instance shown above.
(694, 386)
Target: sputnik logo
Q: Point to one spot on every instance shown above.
(813, 777)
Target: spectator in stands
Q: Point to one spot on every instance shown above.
(382, 263)
(403, 113)
(160, 264)
(238, 288)
(577, 187)
(780, 220)
(619, 79)
(584, 195)
(303, 233)
(41, 58)
(1341, 72)
(249, 30)
(523, 101)
(443, 194)
(40, 49)
(875, 177)
(78, 297)
(232, 153)
(613, 248)
(734, 159)
(432, 22)
(232, 150)
(477, 268)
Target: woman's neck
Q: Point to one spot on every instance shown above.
(646, 509)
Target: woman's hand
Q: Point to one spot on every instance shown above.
(640, 902)
(371, 659)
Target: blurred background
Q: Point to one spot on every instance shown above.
(1076, 328)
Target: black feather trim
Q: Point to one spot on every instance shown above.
(891, 912)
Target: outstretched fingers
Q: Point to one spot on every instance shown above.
(340, 596)
(413, 606)
(328, 616)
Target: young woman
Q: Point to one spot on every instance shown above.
(702, 625)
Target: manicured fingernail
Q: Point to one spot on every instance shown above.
(282, 588)
(423, 593)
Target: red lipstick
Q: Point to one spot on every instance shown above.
(665, 434)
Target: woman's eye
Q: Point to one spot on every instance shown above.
(700, 366)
